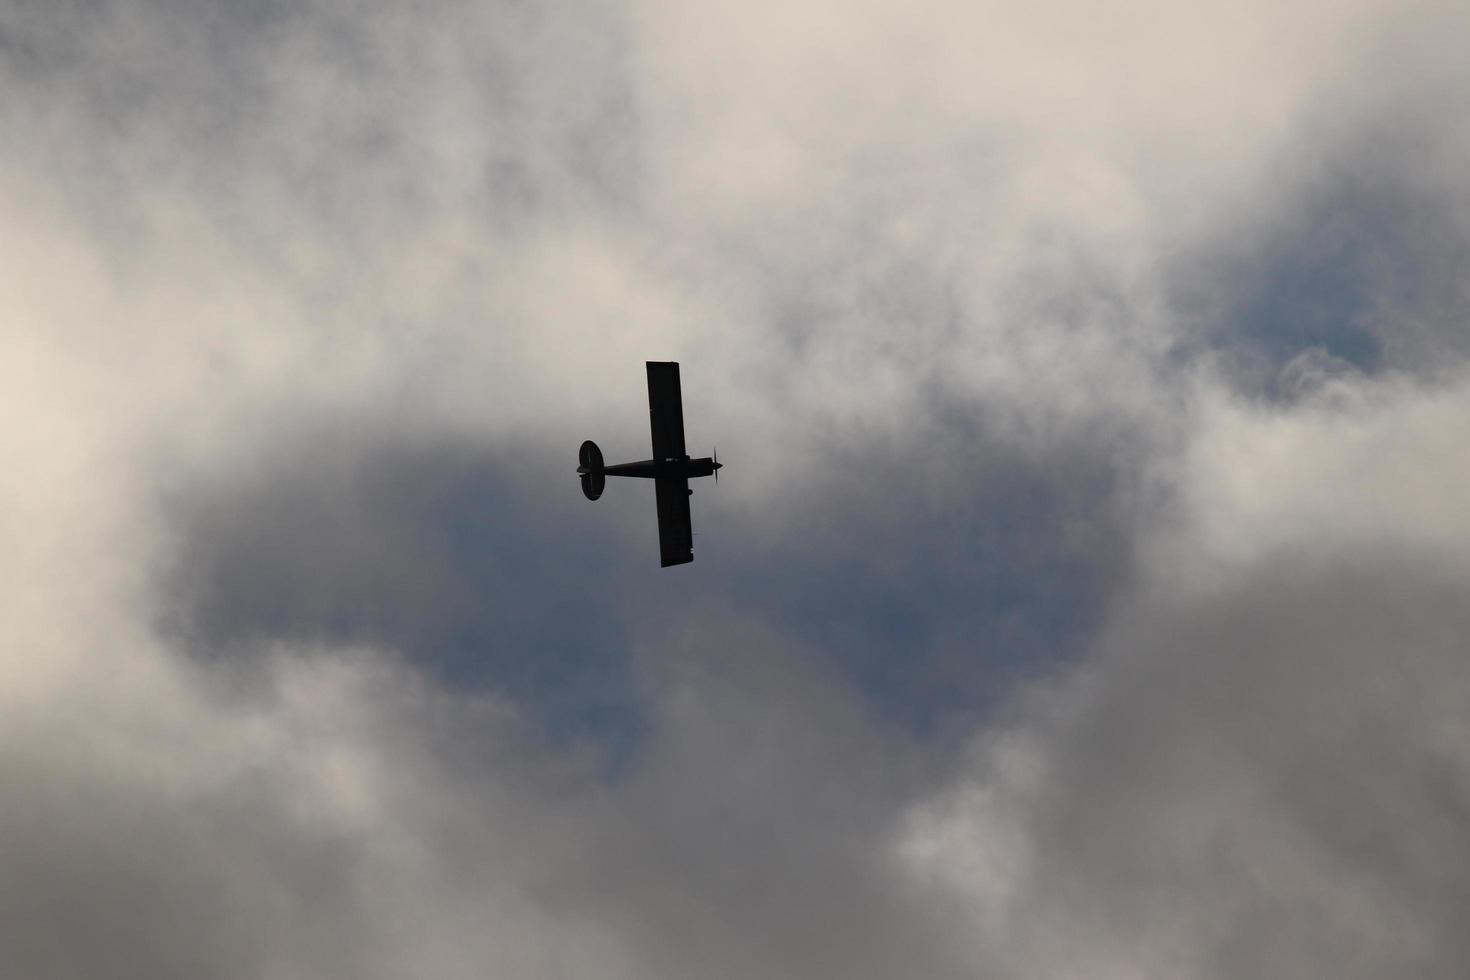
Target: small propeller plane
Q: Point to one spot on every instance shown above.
(670, 469)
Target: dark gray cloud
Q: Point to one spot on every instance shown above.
(481, 564)
(1363, 272)
(932, 578)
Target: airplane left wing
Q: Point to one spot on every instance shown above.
(675, 535)
(665, 410)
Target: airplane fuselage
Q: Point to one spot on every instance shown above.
(683, 468)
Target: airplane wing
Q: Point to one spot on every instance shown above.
(666, 417)
(675, 536)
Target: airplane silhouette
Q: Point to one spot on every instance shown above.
(670, 469)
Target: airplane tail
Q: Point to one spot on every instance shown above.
(589, 458)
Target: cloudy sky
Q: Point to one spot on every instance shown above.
(1086, 594)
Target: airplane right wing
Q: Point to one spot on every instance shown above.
(665, 410)
(675, 535)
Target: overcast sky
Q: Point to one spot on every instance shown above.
(1086, 594)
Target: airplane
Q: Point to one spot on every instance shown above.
(670, 469)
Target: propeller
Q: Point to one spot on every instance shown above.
(717, 465)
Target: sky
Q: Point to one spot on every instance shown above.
(1084, 594)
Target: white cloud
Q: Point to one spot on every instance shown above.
(471, 222)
